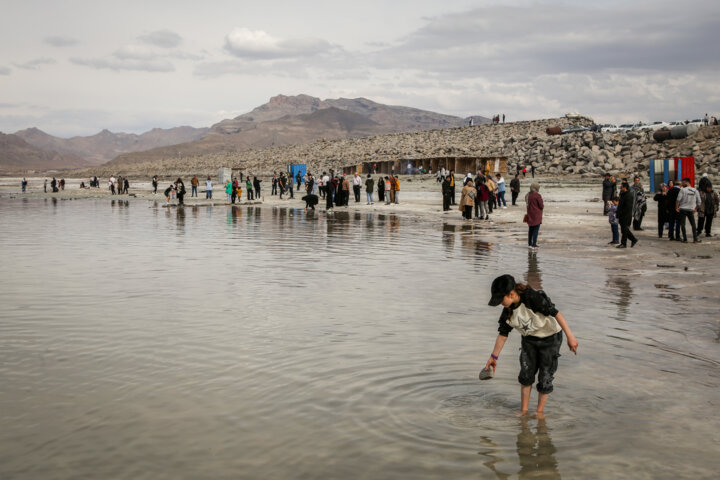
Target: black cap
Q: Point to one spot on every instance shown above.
(501, 286)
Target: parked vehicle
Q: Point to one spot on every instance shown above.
(609, 127)
(575, 129)
(625, 127)
(655, 126)
(639, 126)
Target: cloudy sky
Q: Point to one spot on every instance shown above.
(74, 67)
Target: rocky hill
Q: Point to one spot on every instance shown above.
(388, 118)
(585, 153)
(106, 145)
(18, 156)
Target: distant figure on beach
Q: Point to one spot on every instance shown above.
(310, 201)
(446, 193)
(534, 214)
(500, 181)
(470, 123)
(126, 186)
(532, 169)
(639, 203)
(608, 192)
(208, 188)
(154, 183)
(613, 220)
(231, 189)
(345, 191)
(452, 187)
(370, 189)
(467, 200)
(482, 210)
(396, 187)
(388, 190)
(273, 184)
(357, 186)
(673, 216)
(624, 214)
(168, 193)
(45, 186)
(663, 213)
(707, 210)
(24, 184)
(532, 313)
(298, 180)
(180, 191)
(194, 182)
(111, 185)
(381, 189)
(256, 187)
(249, 188)
(62, 184)
(503, 118)
(687, 204)
(515, 188)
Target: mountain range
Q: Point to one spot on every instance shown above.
(284, 120)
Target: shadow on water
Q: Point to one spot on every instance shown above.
(622, 293)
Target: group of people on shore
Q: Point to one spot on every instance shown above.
(335, 189)
(676, 204)
(119, 185)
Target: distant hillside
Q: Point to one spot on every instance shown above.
(392, 119)
(18, 156)
(294, 120)
(104, 146)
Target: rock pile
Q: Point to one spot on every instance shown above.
(584, 153)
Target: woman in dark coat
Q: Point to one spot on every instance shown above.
(535, 208)
(663, 212)
(381, 190)
(446, 193)
(625, 215)
(180, 188)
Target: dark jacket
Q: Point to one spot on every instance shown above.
(625, 207)
(608, 189)
(515, 185)
(535, 300)
(671, 199)
(663, 212)
(369, 185)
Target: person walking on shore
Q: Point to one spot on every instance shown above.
(249, 188)
(208, 188)
(230, 191)
(45, 186)
(533, 314)
(501, 190)
(624, 214)
(707, 210)
(452, 187)
(24, 184)
(369, 189)
(687, 204)
(273, 184)
(154, 184)
(381, 189)
(180, 189)
(168, 193)
(662, 209)
(256, 187)
(467, 199)
(535, 208)
(608, 192)
(111, 185)
(515, 188)
(194, 182)
(639, 203)
(357, 186)
(446, 193)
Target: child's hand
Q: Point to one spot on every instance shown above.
(572, 344)
(491, 363)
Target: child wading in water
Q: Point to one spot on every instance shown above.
(533, 314)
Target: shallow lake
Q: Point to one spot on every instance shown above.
(143, 342)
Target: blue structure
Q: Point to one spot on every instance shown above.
(296, 168)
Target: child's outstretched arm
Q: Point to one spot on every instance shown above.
(499, 343)
(571, 340)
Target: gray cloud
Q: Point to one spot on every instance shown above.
(162, 38)
(126, 63)
(35, 63)
(514, 41)
(58, 41)
(5, 71)
(257, 44)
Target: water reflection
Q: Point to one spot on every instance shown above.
(533, 276)
(536, 452)
(622, 295)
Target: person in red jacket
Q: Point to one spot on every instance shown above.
(535, 207)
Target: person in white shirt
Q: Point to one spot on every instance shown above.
(357, 186)
(208, 188)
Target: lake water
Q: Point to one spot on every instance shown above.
(141, 342)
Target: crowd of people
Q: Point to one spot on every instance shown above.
(677, 204)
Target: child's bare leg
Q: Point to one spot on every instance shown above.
(525, 397)
(542, 400)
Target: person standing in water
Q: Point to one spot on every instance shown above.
(532, 313)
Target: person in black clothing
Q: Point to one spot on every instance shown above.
(446, 193)
(256, 186)
(310, 201)
(673, 217)
(608, 192)
(515, 187)
(180, 188)
(381, 190)
(452, 187)
(663, 214)
(625, 217)
(155, 183)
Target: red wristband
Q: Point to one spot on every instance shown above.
(494, 356)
